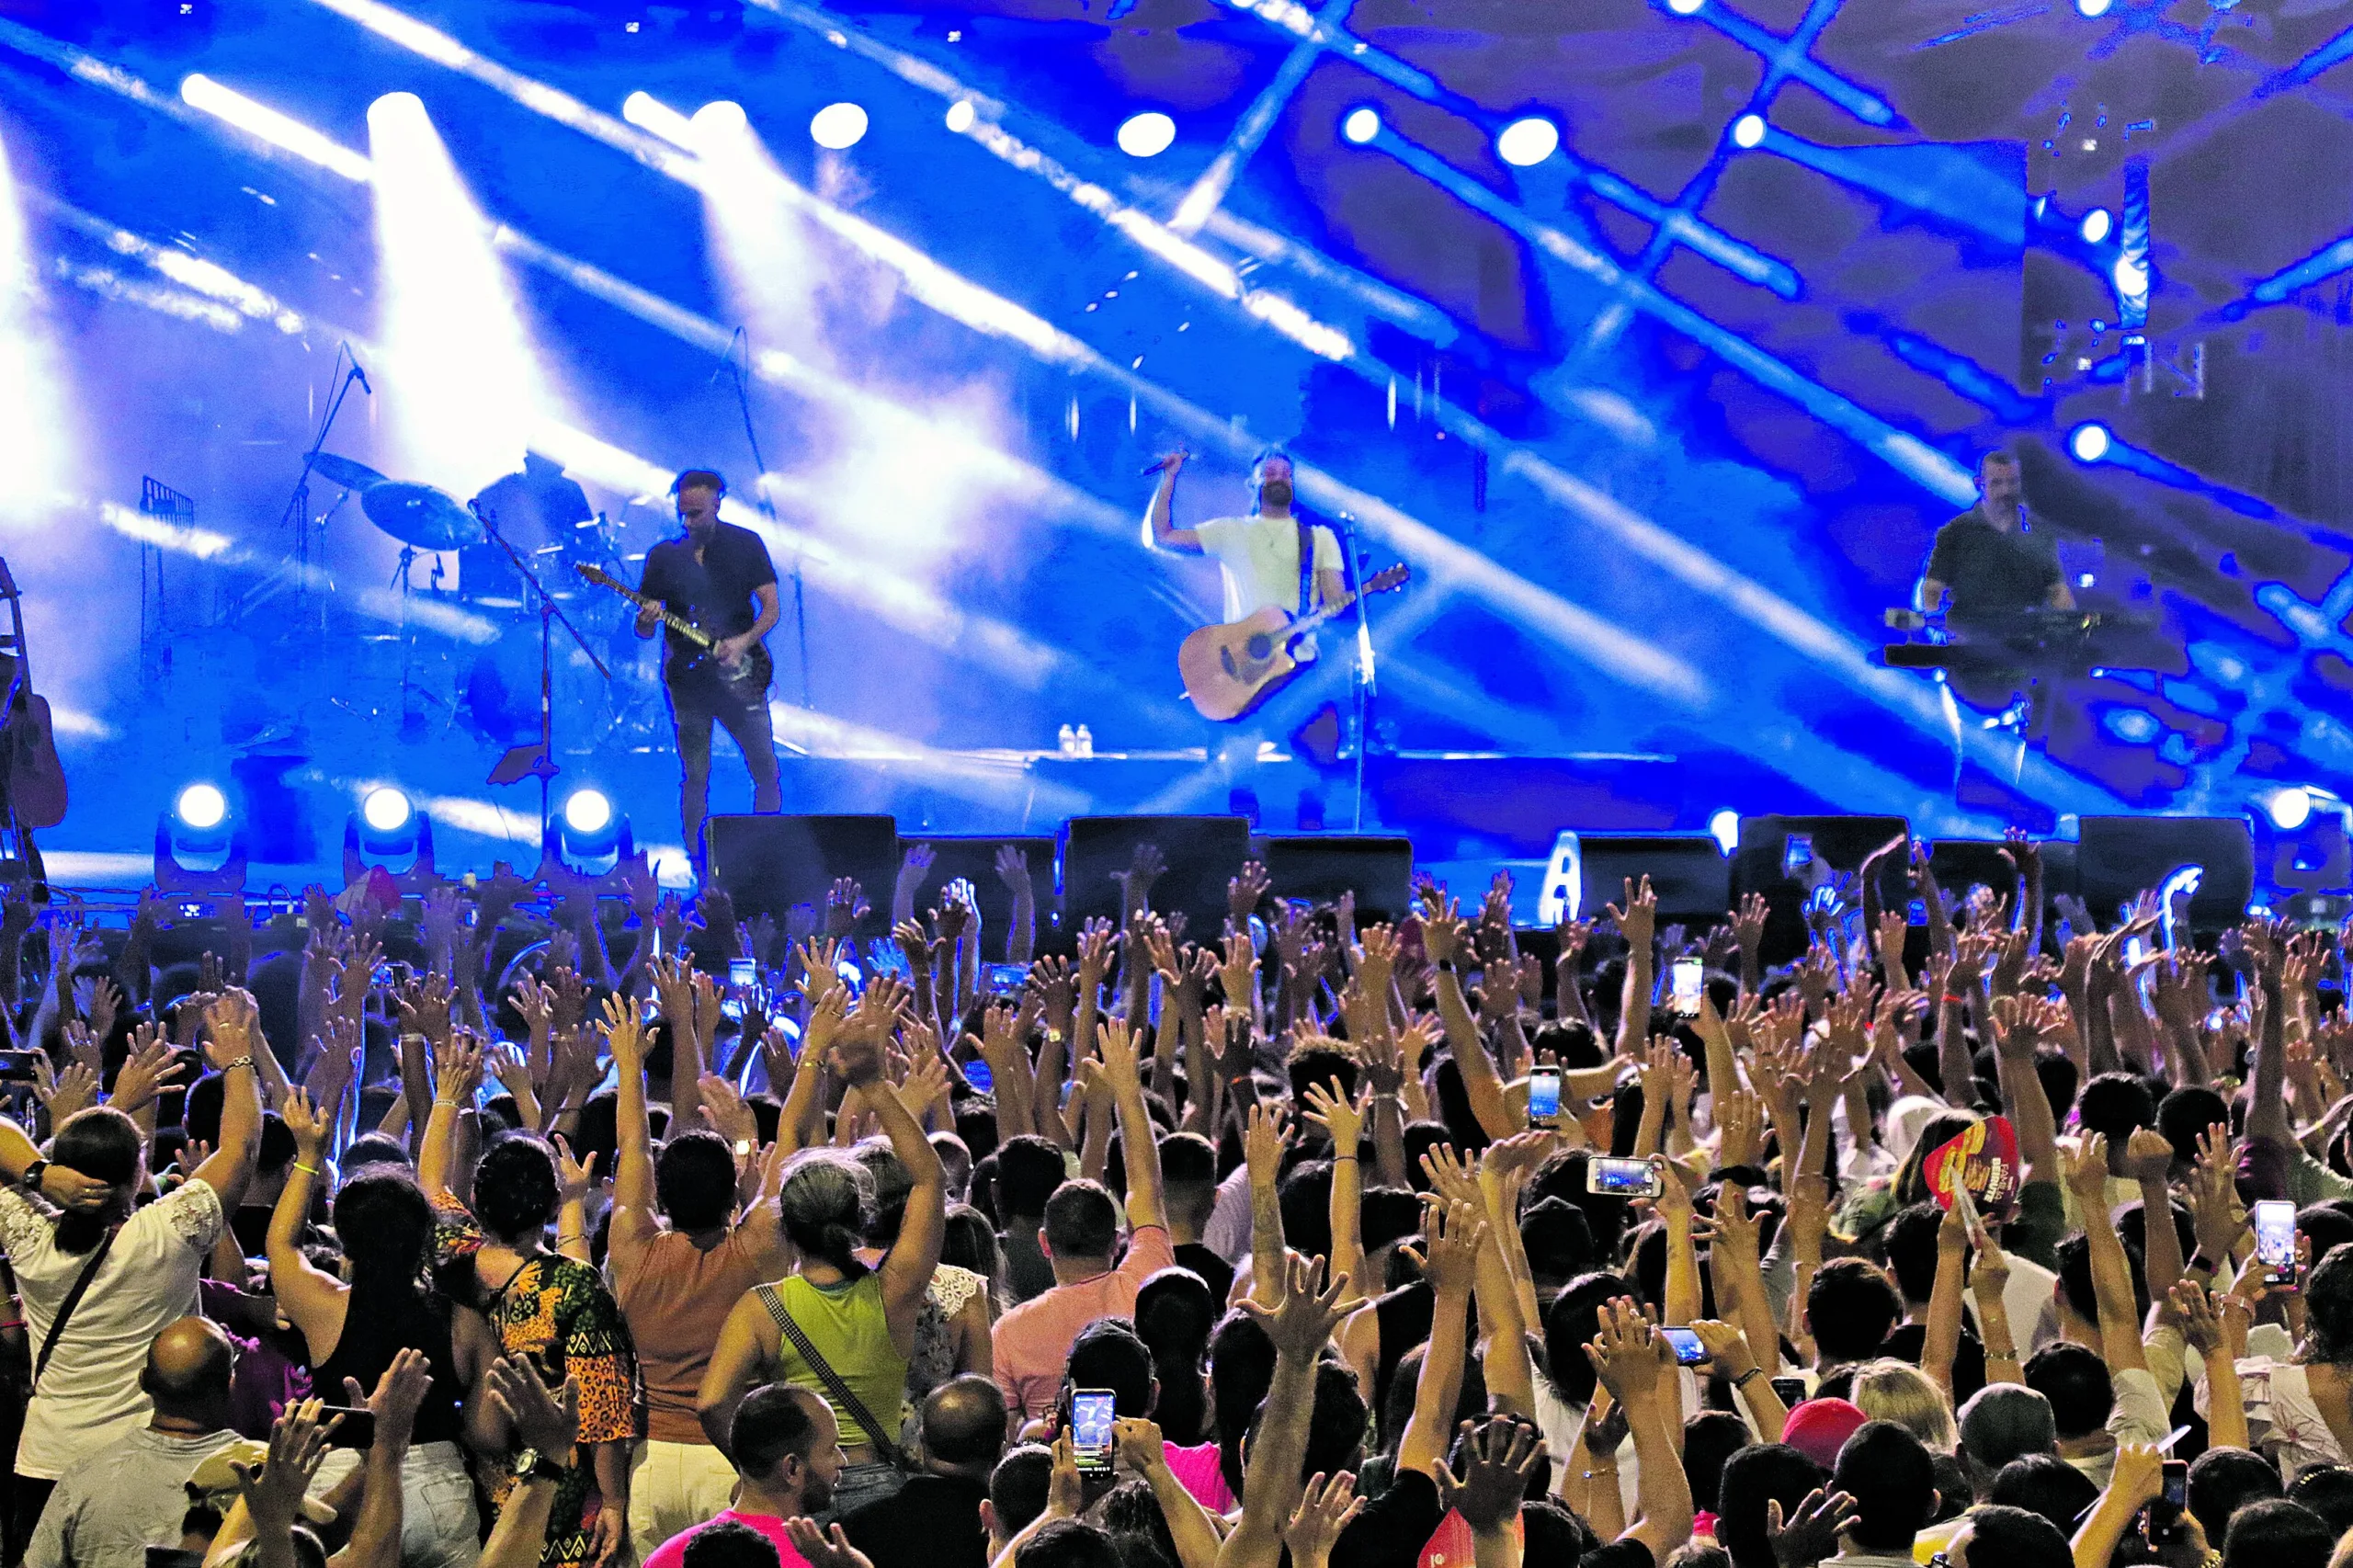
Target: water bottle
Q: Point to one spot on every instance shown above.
(1069, 738)
(1085, 740)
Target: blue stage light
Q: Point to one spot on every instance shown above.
(1748, 130)
(2290, 809)
(201, 807)
(2096, 225)
(837, 126)
(2089, 442)
(961, 115)
(1147, 134)
(385, 810)
(587, 812)
(1362, 125)
(1528, 141)
(1725, 825)
(199, 91)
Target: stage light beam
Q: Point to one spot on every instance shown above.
(199, 91)
(1147, 135)
(201, 807)
(1748, 130)
(647, 112)
(385, 808)
(2097, 225)
(1528, 141)
(838, 127)
(465, 392)
(961, 115)
(588, 812)
(32, 396)
(720, 117)
(2290, 807)
(1362, 125)
(2089, 442)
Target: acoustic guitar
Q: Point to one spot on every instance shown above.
(745, 679)
(1231, 669)
(36, 780)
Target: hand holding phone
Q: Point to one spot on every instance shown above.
(2275, 1244)
(1544, 1097)
(1092, 1414)
(1688, 1350)
(1624, 1178)
(1686, 985)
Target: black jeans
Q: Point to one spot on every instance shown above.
(696, 701)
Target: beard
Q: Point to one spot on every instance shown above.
(1276, 492)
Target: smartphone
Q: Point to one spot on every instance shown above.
(2275, 1243)
(1091, 1414)
(1004, 979)
(1918, 914)
(358, 1428)
(977, 1074)
(2167, 1507)
(1790, 1392)
(742, 971)
(16, 1067)
(1688, 983)
(1689, 1351)
(1544, 1097)
(1797, 854)
(1623, 1178)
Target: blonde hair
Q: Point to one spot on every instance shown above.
(1899, 1391)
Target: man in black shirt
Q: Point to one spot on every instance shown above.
(934, 1518)
(1993, 566)
(719, 577)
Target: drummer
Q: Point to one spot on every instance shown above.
(535, 509)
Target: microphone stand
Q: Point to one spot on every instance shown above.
(1364, 681)
(298, 505)
(768, 505)
(536, 760)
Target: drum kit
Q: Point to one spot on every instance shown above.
(470, 655)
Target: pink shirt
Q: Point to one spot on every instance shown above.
(1196, 1470)
(1030, 1345)
(672, 1553)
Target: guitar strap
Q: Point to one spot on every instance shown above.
(1306, 566)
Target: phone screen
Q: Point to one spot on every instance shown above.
(1689, 1351)
(1622, 1178)
(1544, 1096)
(977, 1074)
(1790, 1392)
(1690, 984)
(1797, 853)
(1091, 1414)
(742, 971)
(2274, 1240)
(1004, 979)
(2167, 1508)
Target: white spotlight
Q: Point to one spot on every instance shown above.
(1748, 130)
(1725, 824)
(837, 126)
(201, 91)
(2089, 442)
(1528, 141)
(1147, 134)
(588, 812)
(201, 807)
(1687, 7)
(385, 808)
(724, 118)
(647, 112)
(961, 115)
(2290, 807)
(1361, 126)
(2096, 225)
(465, 393)
(2093, 7)
(33, 392)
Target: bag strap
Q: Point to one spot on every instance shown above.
(73, 1299)
(843, 1395)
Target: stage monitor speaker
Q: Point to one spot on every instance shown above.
(2118, 858)
(1786, 857)
(973, 857)
(768, 864)
(1321, 867)
(1203, 854)
(1961, 863)
(1688, 871)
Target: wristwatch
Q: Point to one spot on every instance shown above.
(532, 1465)
(30, 1180)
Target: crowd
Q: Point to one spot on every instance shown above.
(492, 1231)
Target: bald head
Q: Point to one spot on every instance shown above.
(963, 1425)
(188, 1372)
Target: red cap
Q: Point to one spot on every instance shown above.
(1820, 1427)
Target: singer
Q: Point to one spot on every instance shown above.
(1996, 567)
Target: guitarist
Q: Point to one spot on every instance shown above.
(1258, 555)
(720, 577)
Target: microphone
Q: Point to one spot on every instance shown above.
(1161, 465)
(358, 372)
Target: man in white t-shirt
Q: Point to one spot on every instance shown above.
(1257, 555)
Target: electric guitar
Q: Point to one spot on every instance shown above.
(745, 679)
(1231, 669)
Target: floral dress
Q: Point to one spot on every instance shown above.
(558, 1313)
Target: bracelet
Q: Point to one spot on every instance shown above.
(12, 1322)
(1751, 1375)
(232, 1066)
(1953, 1001)
(306, 1170)
(1338, 1158)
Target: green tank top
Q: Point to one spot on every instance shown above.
(852, 1332)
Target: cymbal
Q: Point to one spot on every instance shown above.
(419, 515)
(344, 472)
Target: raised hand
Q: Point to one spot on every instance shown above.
(1326, 1508)
(1637, 918)
(1246, 891)
(273, 1492)
(232, 1029)
(1501, 1455)
(846, 905)
(821, 1548)
(397, 1397)
(1811, 1533)
(312, 1124)
(1263, 1140)
(151, 1067)
(2086, 1171)
(1453, 1233)
(573, 1179)
(62, 1095)
(545, 1420)
(1341, 1117)
(1625, 1352)
(1301, 1324)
